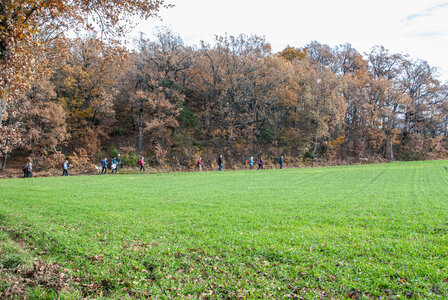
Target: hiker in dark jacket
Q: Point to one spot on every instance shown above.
(65, 167)
(118, 162)
(260, 164)
(25, 171)
(219, 162)
(280, 161)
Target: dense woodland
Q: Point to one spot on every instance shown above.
(90, 97)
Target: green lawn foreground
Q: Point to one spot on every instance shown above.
(358, 231)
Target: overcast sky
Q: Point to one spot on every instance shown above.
(419, 28)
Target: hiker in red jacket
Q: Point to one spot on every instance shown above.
(199, 164)
(141, 163)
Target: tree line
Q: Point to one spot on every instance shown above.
(172, 103)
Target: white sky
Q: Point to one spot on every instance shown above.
(416, 27)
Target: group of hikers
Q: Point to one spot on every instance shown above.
(115, 165)
(250, 162)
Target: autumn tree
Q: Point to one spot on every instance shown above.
(45, 122)
(235, 79)
(292, 54)
(385, 91)
(426, 95)
(85, 85)
(312, 109)
(27, 27)
(151, 91)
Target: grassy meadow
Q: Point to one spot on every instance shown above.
(363, 231)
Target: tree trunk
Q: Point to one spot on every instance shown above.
(140, 129)
(3, 165)
(315, 145)
(391, 150)
(140, 137)
(207, 118)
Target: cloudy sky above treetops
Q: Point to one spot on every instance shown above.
(416, 27)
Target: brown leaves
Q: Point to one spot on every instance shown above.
(42, 274)
(97, 258)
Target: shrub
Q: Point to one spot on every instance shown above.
(130, 159)
(100, 155)
(80, 161)
(113, 151)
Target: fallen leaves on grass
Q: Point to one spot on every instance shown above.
(45, 275)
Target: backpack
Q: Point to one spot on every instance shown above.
(248, 161)
(25, 168)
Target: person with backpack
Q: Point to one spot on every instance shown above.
(113, 165)
(199, 164)
(141, 163)
(25, 171)
(104, 166)
(28, 170)
(260, 164)
(250, 161)
(118, 162)
(65, 167)
(219, 162)
(280, 161)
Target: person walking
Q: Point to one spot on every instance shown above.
(118, 162)
(104, 166)
(141, 163)
(28, 170)
(260, 164)
(25, 170)
(65, 167)
(219, 162)
(113, 165)
(280, 161)
(251, 163)
(199, 164)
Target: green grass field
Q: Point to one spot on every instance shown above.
(360, 231)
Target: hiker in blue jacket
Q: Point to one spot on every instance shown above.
(251, 163)
(104, 166)
(114, 165)
(27, 169)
